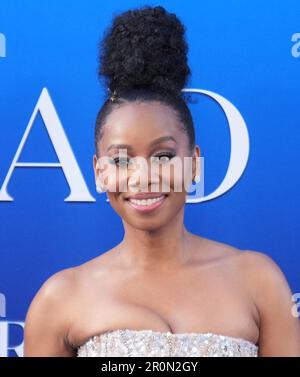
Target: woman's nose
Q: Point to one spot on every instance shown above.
(139, 173)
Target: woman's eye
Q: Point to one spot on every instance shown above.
(164, 157)
(123, 162)
(120, 161)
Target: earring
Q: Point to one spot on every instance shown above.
(196, 179)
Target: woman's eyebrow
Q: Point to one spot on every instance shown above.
(161, 139)
(154, 142)
(117, 146)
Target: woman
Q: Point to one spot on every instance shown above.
(162, 291)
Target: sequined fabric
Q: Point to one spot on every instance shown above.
(125, 342)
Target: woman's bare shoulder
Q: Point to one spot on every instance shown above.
(54, 290)
(250, 259)
(266, 272)
(267, 281)
(48, 316)
(59, 282)
(279, 327)
(258, 266)
(261, 266)
(256, 269)
(212, 250)
(66, 280)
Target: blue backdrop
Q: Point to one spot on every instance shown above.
(247, 52)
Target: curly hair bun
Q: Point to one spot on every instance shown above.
(145, 47)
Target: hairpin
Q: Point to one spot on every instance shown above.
(112, 96)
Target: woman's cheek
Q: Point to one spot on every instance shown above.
(181, 174)
(106, 174)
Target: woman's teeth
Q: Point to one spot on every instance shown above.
(146, 202)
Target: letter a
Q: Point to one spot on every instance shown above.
(67, 161)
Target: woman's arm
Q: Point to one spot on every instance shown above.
(279, 328)
(47, 319)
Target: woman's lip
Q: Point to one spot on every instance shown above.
(146, 196)
(149, 208)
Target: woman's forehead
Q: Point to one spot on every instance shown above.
(139, 124)
(142, 114)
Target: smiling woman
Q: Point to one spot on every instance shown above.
(162, 291)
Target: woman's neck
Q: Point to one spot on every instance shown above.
(162, 249)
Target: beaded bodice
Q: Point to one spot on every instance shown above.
(126, 342)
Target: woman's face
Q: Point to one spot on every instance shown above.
(128, 169)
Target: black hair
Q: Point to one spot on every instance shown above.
(143, 57)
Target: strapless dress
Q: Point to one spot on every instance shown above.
(126, 342)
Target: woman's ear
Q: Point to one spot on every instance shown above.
(196, 164)
(99, 187)
(96, 170)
